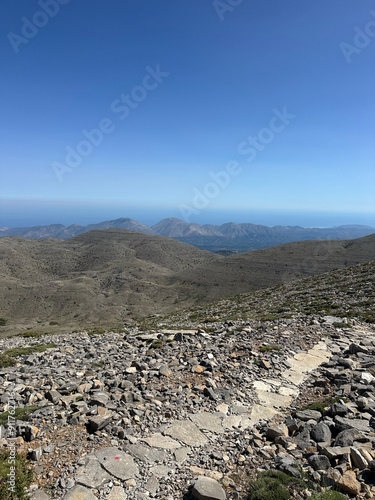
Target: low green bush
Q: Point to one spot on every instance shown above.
(329, 495)
(6, 361)
(273, 485)
(96, 331)
(267, 348)
(26, 335)
(20, 414)
(22, 476)
(22, 351)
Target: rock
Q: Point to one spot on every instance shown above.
(39, 495)
(206, 488)
(165, 371)
(349, 484)
(99, 398)
(321, 433)
(339, 409)
(357, 459)
(356, 348)
(275, 430)
(187, 432)
(319, 462)
(117, 493)
(145, 453)
(152, 485)
(306, 415)
(288, 465)
(79, 492)
(53, 396)
(36, 454)
(333, 452)
(92, 474)
(347, 437)
(31, 432)
(208, 421)
(353, 423)
(157, 440)
(99, 422)
(291, 423)
(117, 463)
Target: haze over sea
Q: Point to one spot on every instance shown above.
(35, 214)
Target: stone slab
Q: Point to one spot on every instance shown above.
(208, 421)
(186, 432)
(118, 463)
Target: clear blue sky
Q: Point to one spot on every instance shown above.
(220, 75)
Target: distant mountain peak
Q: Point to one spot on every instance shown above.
(231, 236)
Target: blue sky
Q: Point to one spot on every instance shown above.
(178, 91)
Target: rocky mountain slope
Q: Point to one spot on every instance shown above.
(230, 236)
(108, 276)
(170, 412)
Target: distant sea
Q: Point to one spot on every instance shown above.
(21, 214)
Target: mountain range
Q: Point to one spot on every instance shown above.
(229, 237)
(112, 275)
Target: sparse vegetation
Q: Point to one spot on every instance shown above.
(22, 476)
(329, 495)
(6, 361)
(322, 405)
(273, 485)
(52, 323)
(22, 351)
(339, 324)
(96, 331)
(268, 348)
(20, 414)
(32, 334)
(3, 321)
(156, 344)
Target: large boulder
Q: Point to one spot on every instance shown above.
(206, 488)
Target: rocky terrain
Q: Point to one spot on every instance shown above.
(200, 409)
(108, 276)
(229, 236)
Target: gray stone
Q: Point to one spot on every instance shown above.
(117, 463)
(347, 437)
(99, 422)
(206, 488)
(353, 423)
(187, 432)
(117, 493)
(339, 409)
(335, 451)
(99, 398)
(288, 465)
(276, 430)
(152, 485)
(53, 396)
(160, 470)
(181, 454)
(208, 421)
(356, 348)
(39, 495)
(36, 454)
(79, 492)
(306, 415)
(92, 474)
(319, 462)
(165, 371)
(145, 453)
(157, 440)
(321, 433)
(357, 459)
